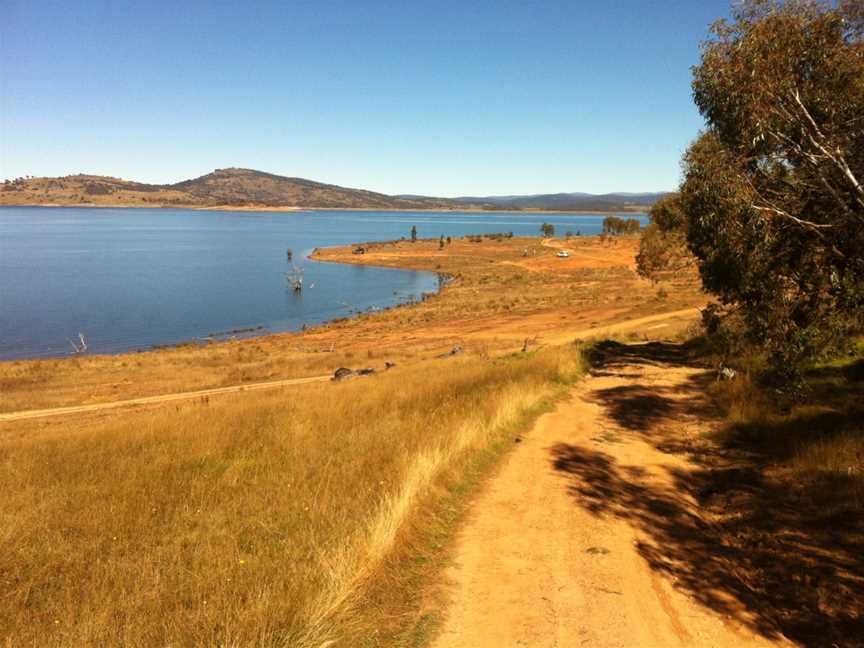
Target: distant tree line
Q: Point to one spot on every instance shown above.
(615, 225)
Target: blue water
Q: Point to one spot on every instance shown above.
(136, 278)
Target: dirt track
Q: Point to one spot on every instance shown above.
(155, 400)
(558, 549)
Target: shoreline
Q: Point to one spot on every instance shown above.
(499, 301)
(280, 209)
(339, 254)
(257, 331)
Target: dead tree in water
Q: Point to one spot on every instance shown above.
(80, 346)
(295, 279)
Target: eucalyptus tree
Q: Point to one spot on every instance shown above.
(772, 189)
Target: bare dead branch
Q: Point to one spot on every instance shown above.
(837, 156)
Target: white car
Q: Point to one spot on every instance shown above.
(563, 254)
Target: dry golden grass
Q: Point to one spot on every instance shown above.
(817, 444)
(786, 500)
(251, 520)
(36, 384)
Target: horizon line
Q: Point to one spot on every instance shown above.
(345, 186)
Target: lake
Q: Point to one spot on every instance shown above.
(136, 278)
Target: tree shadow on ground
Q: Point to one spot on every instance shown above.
(609, 354)
(732, 533)
(645, 407)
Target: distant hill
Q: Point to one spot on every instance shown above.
(256, 189)
(244, 186)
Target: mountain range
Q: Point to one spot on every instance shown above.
(250, 189)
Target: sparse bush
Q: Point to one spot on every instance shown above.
(663, 244)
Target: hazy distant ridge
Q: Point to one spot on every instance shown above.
(566, 201)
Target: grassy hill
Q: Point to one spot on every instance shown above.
(245, 186)
(248, 188)
(223, 187)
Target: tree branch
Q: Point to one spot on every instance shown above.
(795, 219)
(838, 158)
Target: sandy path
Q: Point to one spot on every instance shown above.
(541, 562)
(631, 325)
(164, 398)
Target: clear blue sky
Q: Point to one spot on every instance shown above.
(444, 98)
